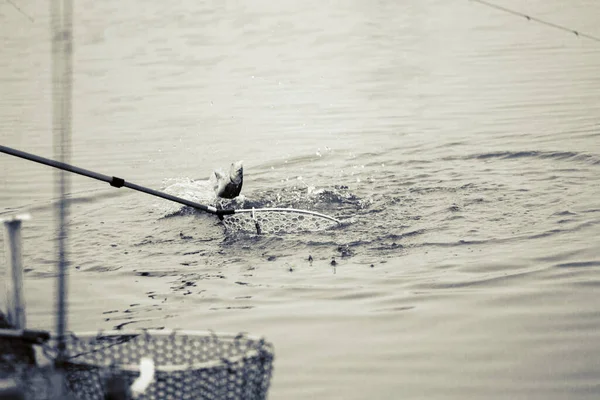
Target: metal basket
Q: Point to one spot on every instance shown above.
(188, 365)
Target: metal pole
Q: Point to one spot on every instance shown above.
(113, 181)
(15, 303)
(62, 54)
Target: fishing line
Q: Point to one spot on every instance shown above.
(538, 20)
(21, 11)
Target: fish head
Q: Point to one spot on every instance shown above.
(236, 172)
(229, 187)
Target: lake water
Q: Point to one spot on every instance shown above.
(459, 144)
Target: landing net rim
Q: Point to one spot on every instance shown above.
(289, 210)
(89, 336)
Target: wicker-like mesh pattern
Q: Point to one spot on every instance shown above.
(188, 365)
(276, 221)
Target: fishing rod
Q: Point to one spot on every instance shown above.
(120, 182)
(19, 10)
(61, 30)
(538, 20)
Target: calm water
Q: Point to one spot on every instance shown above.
(459, 144)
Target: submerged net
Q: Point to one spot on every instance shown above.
(187, 365)
(277, 221)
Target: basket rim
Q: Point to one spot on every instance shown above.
(252, 353)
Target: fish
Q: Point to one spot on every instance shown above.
(229, 186)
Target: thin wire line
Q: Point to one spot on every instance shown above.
(540, 21)
(21, 11)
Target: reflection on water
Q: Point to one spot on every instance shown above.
(459, 143)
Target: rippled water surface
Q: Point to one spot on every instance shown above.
(458, 144)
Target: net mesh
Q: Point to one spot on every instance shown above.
(277, 221)
(187, 365)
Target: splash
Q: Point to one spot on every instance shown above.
(199, 191)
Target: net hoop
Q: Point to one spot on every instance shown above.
(276, 221)
(288, 210)
(149, 334)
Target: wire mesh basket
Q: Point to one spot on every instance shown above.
(187, 365)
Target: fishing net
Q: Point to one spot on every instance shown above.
(277, 221)
(187, 365)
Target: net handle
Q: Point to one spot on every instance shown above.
(111, 180)
(120, 182)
